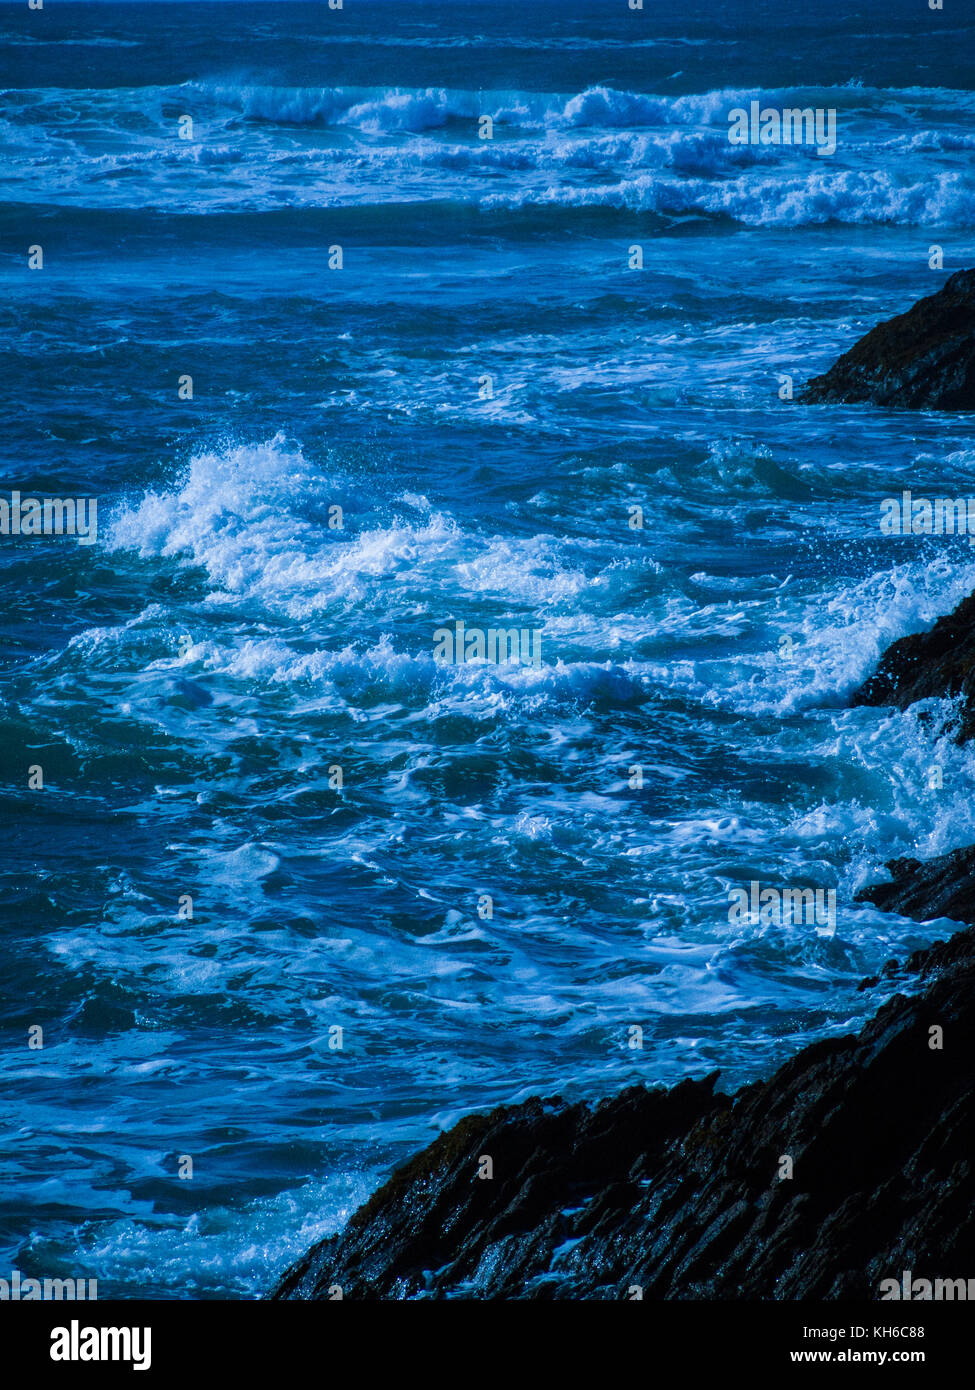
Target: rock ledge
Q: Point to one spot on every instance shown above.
(923, 359)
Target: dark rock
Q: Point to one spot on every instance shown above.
(927, 890)
(678, 1191)
(938, 663)
(924, 359)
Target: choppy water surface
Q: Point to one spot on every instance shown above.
(189, 682)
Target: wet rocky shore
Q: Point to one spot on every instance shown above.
(850, 1164)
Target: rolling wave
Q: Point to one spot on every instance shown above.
(277, 148)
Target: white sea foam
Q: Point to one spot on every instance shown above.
(399, 108)
(842, 195)
(667, 155)
(255, 519)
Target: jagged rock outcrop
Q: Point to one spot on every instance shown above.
(852, 1163)
(937, 663)
(928, 889)
(923, 359)
(679, 1191)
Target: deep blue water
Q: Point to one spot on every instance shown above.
(187, 682)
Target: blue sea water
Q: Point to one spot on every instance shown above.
(188, 682)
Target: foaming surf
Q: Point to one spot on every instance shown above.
(538, 390)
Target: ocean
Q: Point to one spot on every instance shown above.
(358, 324)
